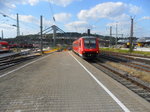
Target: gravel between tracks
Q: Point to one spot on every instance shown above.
(136, 73)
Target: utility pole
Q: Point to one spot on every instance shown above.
(41, 28)
(116, 33)
(18, 28)
(122, 35)
(131, 35)
(2, 35)
(110, 36)
(88, 32)
(70, 39)
(54, 35)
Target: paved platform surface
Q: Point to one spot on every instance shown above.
(58, 83)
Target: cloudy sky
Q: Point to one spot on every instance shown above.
(76, 16)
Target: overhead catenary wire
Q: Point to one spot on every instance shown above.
(52, 12)
(5, 15)
(21, 22)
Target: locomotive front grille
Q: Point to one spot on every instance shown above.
(90, 54)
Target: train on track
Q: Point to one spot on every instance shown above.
(87, 47)
(4, 46)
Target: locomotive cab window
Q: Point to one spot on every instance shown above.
(90, 43)
(4, 46)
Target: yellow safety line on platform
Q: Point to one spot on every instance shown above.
(50, 51)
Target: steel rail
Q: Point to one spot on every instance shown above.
(127, 62)
(126, 79)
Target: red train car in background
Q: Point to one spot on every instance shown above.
(86, 47)
(4, 46)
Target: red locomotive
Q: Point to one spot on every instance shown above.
(86, 46)
(4, 46)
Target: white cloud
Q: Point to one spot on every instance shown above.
(145, 18)
(122, 17)
(33, 2)
(117, 12)
(32, 19)
(107, 10)
(13, 6)
(28, 18)
(134, 9)
(9, 4)
(62, 17)
(63, 3)
(78, 26)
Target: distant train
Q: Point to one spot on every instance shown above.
(86, 47)
(21, 46)
(4, 46)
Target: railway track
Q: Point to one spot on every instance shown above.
(138, 58)
(139, 87)
(135, 84)
(127, 62)
(12, 59)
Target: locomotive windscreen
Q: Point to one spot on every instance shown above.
(89, 43)
(3, 46)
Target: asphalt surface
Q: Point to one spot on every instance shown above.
(58, 83)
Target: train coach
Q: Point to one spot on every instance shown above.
(86, 47)
(4, 46)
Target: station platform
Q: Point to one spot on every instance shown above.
(63, 82)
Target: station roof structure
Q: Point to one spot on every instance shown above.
(144, 39)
